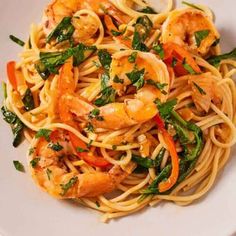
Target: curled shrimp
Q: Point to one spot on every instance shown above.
(117, 115)
(183, 27)
(50, 171)
(87, 23)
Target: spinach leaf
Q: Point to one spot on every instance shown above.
(137, 77)
(63, 31)
(50, 62)
(215, 60)
(118, 80)
(201, 35)
(16, 125)
(28, 100)
(17, 40)
(148, 10)
(104, 58)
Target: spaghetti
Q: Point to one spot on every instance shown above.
(116, 98)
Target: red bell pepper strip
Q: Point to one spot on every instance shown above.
(11, 74)
(87, 156)
(166, 185)
(172, 52)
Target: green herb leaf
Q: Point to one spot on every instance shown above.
(50, 62)
(28, 100)
(97, 64)
(67, 186)
(188, 68)
(201, 35)
(43, 133)
(16, 125)
(192, 5)
(19, 166)
(17, 40)
(132, 57)
(148, 10)
(215, 60)
(34, 162)
(80, 149)
(4, 88)
(137, 77)
(31, 151)
(158, 85)
(90, 127)
(105, 58)
(216, 42)
(142, 29)
(55, 146)
(48, 172)
(114, 147)
(200, 90)
(63, 31)
(108, 94)
(116, 33)
(97, 204)
(166, 108)
(174, 62)
(158, 48)
(95, 114)
(90, 143)
(118, 80)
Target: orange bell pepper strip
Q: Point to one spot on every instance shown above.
(166, 185)
(86, 155)
(11, 73)
(174, 51)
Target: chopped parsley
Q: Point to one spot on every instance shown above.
(158, 48)
(166, 108)
(90, 127)
(105, 58)
(201, 35)
(19, 166)
(55, 146)
(95, 114)
(80, 149)
(158, 85)
(148, 10)
(31, 151)
(136, 77)
(90, 143)
(118, 80)
(34, 162)
(174, 62)
(132, 57)
(67, 186)
(200, 90)
(43, 133)
(48, 172)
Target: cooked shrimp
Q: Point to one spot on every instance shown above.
(118, 115)
(86, 25)
(51, 172)
(182, 26)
